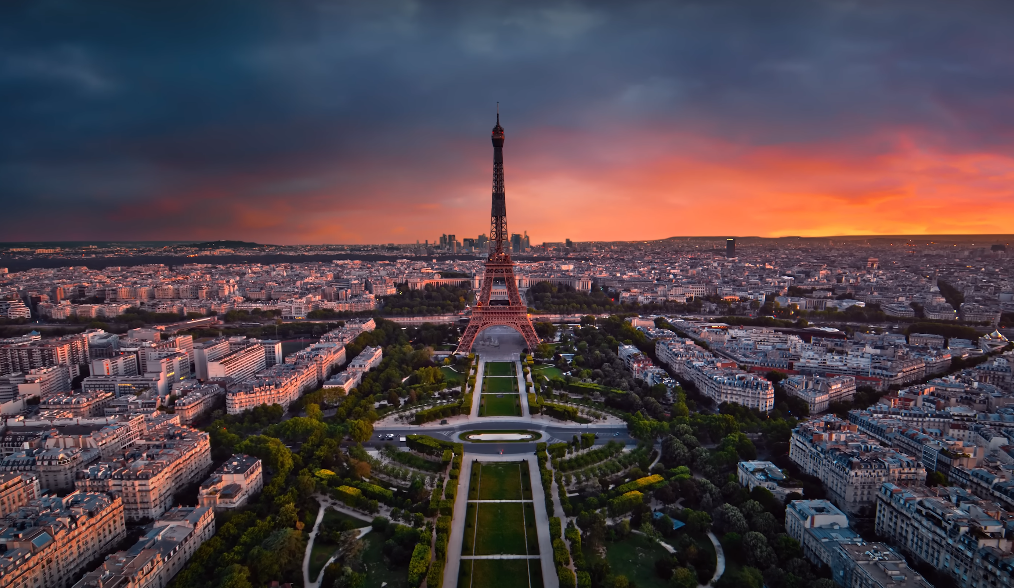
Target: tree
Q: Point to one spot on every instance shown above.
(684, 578)
(756, 551)
(698, 521)
(275, 455)
(235, 576)
(936, 479)
(360, 430)
(728, 519)
(314, 412)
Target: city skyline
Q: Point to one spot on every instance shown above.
(333, 124)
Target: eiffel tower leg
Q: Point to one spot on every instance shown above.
(467, 339)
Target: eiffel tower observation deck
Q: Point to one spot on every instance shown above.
(499, 302)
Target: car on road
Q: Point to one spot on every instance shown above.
(390, 435)
(616, 434)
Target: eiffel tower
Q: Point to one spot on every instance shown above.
(499, 302)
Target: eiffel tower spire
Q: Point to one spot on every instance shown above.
(503, 304)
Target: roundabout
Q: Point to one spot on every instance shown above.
(500, 436)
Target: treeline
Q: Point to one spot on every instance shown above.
(429, 300)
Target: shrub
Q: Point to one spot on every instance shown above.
(380, 524)
(419, 563)
(555, 528)
(650, 482)
(561, 557)
(566, 576)
(349, 495)
(435, 577)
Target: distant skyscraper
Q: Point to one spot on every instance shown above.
(569, 243)
(452, 244)
(481, 241)
(730, 248)
(515, 243)
(526, 243)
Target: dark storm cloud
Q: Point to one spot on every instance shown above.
(183, 119)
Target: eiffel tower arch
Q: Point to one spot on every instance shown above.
(499, 303)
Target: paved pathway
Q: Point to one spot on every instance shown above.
(549, 579)
(320, 575)
(458, 524)
(309, 544)
(719, 556)
(326, 503)
(477, 392)
(522, 389)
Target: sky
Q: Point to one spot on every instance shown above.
(369, 122)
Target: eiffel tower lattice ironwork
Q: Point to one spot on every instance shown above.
(499, 302)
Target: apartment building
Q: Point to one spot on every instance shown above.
(368, 358)
(50, 540)
(17, 490)
(233, 484)
(766, 475)
(241, 364)
(40, 382)
(716, 379)
(148, 474)
(873, 565)
(121, 364)
(173, 366)
(818, 392)
(85, 404)
(324, 357)
(55, 467)
(945, 527)
(195, 400)
(157, 556)
(851, 465)
(819, 527)
(124, 385)
(208, 351)
(276, 386)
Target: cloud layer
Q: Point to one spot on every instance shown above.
(312, 122)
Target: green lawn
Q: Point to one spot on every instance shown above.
(501, 481)
(634, 557)
(501, 529)
(499, 368)
(319, 556)
(332, 516)
(506, 405)
(499, 385)
(499, 573)
(451, 375)
(378, 570)
(546, 370)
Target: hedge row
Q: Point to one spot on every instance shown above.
(559, 411)
(547, 477)
(431, 446)
(561, 557)
(419, 564)
(591, 458)
(649, 482)
(373, 491)
(437, 412)
(416, 461)
(626, 503)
